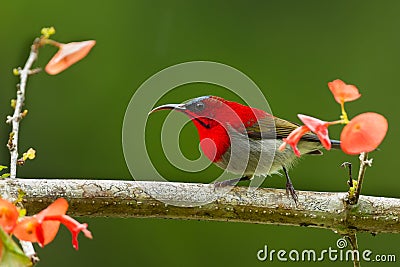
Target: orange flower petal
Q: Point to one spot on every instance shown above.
(30, 229)
(58, 207)
(37, 229)
(73, 226)
(50, 228)
(293, 138)
(67, 55)
(320, 128)
(364, 133)
(26, 229)
(8, 215)
(343, 92)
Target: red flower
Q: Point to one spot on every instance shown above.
(293, 138)
(320, 128)
(67, 55)
(26, 230)
(8, 215)
(43, 227)
(343, 92)
(73, 226)
(363, 133)
(34, 229)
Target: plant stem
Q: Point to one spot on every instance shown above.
(344, 114)
(12, 144)
(364, 163)
(16, 118)
(29, 251)
(352, 237)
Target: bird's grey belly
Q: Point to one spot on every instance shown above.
(250, 157)
(262, 159)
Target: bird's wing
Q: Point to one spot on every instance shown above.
(272, 127)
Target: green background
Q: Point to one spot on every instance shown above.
(291, 49)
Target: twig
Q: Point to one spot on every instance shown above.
(354, 195)
(113, 198)
(16, 118)
(349, 166)
(12, 144)
(29, 251)
(352, 237)
(364, 163)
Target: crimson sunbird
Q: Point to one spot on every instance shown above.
(244, 140)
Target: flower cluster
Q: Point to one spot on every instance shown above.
(42, 227)
(363, 133)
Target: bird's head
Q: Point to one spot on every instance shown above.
(212, 116)
(208, 112)
(200, 110)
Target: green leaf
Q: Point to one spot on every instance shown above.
(5, 175)
(22, 212)
(12, 255)
(2, 167)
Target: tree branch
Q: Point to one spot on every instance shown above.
(96, 198)
(15, 119)
(18, 115)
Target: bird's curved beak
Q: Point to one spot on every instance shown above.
(178, 107)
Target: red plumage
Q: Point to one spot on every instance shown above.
(219, 114)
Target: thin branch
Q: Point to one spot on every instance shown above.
(29, 251)
(18, 115)
(352, 237)
(364, 163)
(355, 190)
(97, 198)
(349, 166)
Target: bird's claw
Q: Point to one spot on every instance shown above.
(290, 191)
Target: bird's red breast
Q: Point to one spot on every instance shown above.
(216, 118)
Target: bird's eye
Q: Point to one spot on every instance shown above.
(199, 106)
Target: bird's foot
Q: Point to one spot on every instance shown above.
(289, 187)
(290, 191)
